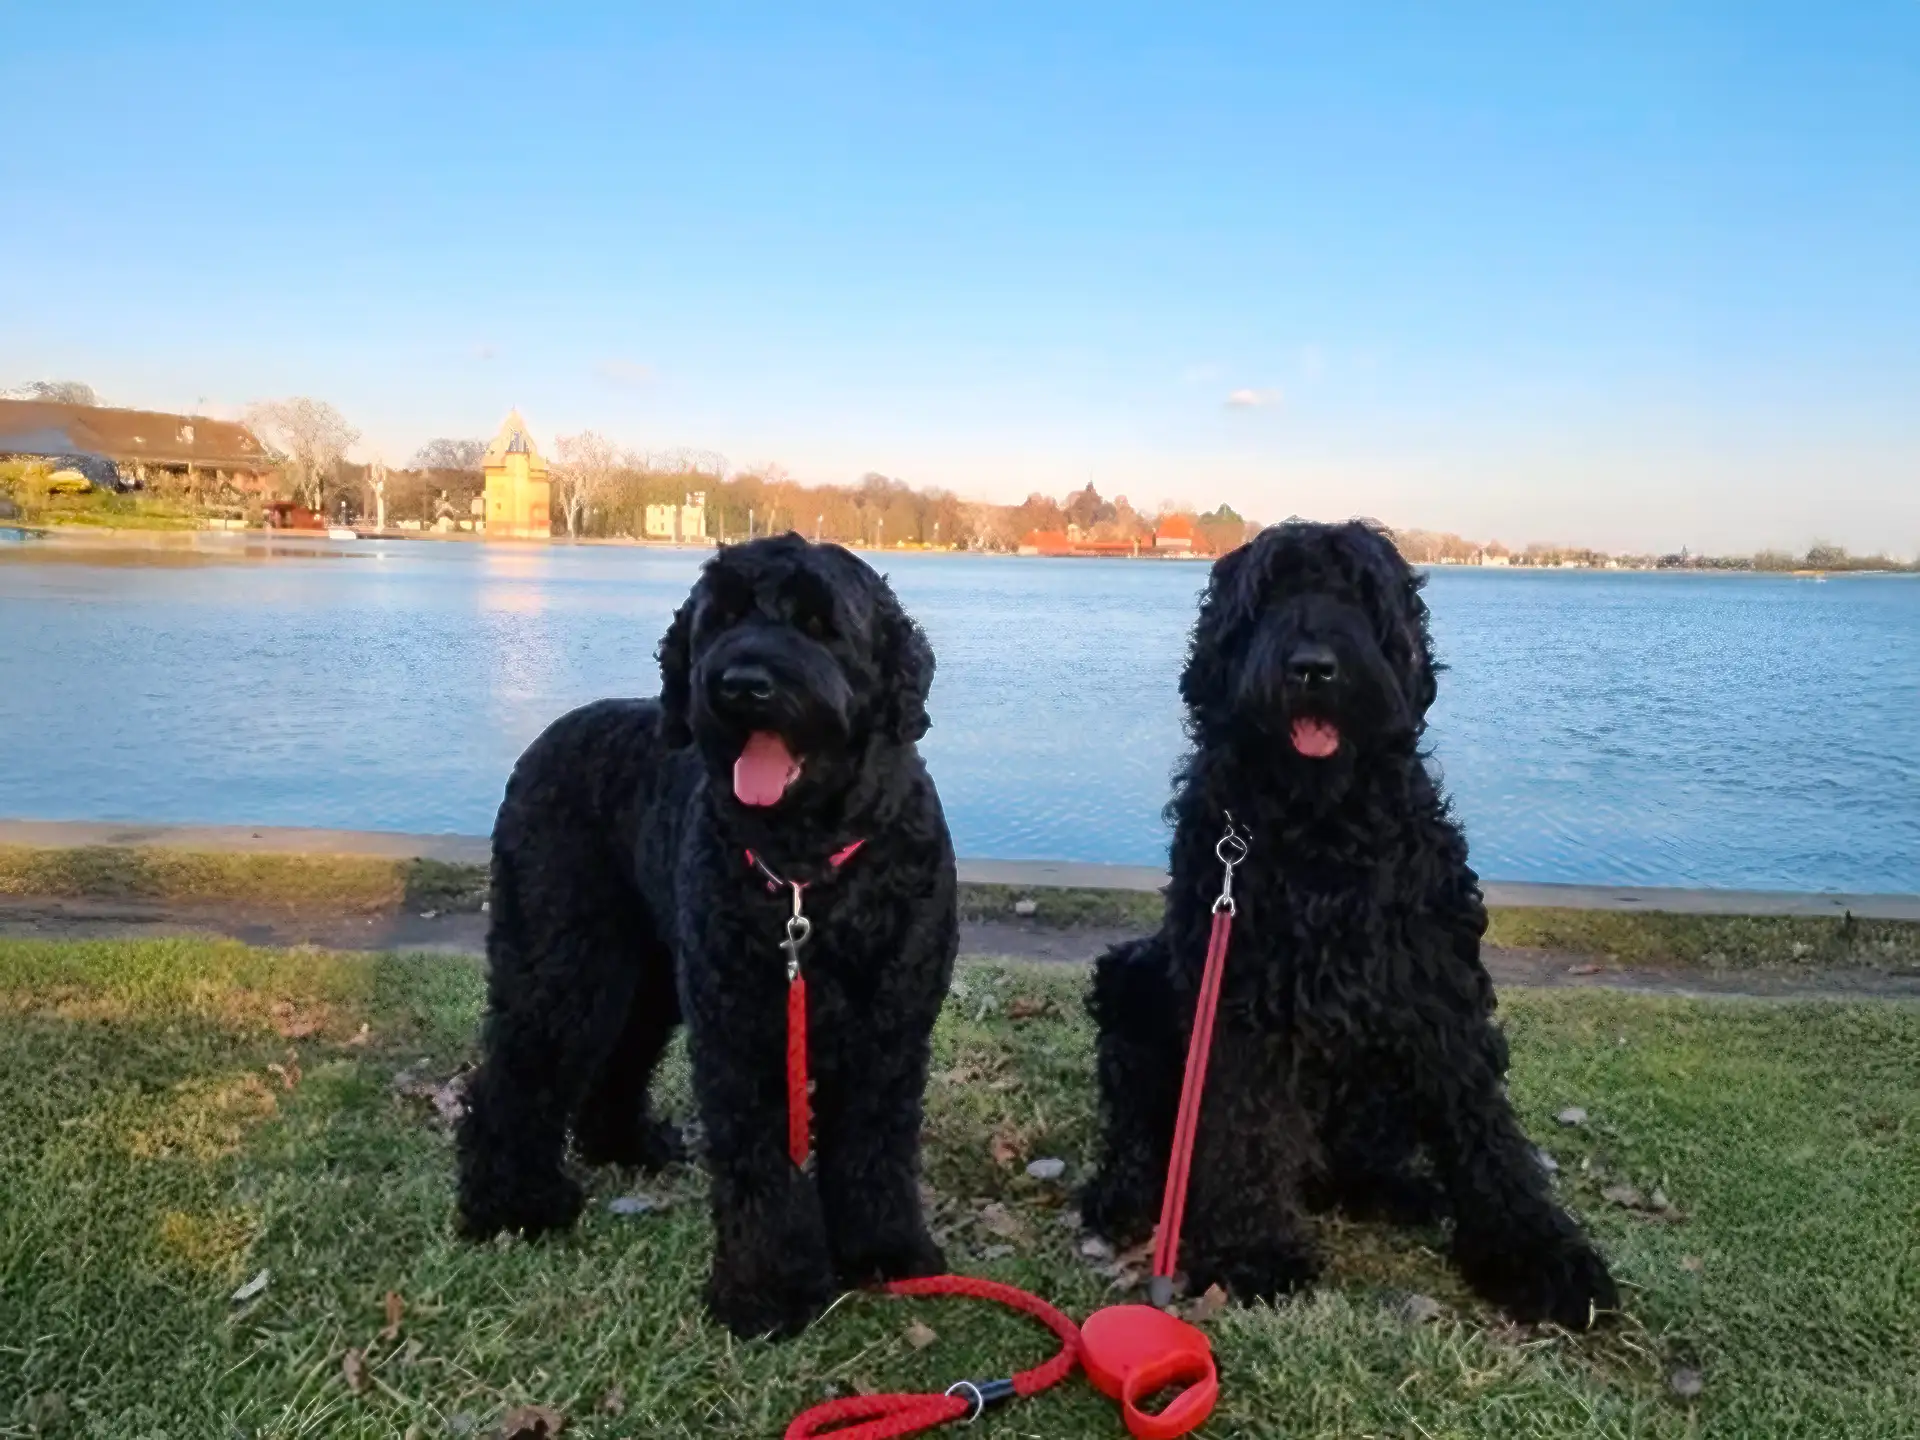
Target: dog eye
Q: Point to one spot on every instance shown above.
(815, 625)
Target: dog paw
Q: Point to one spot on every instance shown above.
(649, 1146)
(876, 1262)
(1116, 1209)
(530, 1210)
(774, 1309)
(1563, 1279)
(1261, 1272)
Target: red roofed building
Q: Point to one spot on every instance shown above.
(1174, 533)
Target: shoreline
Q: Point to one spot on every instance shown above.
(469, 850)
(72, 537)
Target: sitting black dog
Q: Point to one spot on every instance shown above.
(633, 886)
(1355, 1060)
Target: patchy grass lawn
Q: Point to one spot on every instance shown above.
(178, 1116)
(354, 884)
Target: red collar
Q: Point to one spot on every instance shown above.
(775, 883)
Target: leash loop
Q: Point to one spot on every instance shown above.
(1231, 851)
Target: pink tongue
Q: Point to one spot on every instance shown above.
(764, 770)
(1315, 739)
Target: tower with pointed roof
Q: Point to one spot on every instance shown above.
(517, 487)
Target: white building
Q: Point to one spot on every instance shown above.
(679, 523)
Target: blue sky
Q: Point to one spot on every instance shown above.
(1633, 275)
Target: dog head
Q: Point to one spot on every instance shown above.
(1311, 646)
(788, 663)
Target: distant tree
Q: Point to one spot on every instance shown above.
(1824, 556)
(584, 466)
(58, 392)
(447, 454)
(312, 436)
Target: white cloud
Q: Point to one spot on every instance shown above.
(1249, 399)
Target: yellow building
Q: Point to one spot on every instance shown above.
(517, 487)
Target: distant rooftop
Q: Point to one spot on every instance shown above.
(40, 427)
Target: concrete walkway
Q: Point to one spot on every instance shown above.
(1073, 874)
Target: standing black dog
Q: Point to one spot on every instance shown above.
(793, 690)
(1355, 1060)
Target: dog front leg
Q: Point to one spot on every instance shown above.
(1513, 1242)
(868, 1125)
(771, 1274)
(1246, 1228)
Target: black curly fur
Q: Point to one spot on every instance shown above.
(622, 903)
(1355, 1058)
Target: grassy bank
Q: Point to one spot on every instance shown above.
(362, 884)
(178, 1117)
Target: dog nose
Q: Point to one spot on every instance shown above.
(1312, 665)
(746, 682)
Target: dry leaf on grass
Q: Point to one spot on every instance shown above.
(996, 1219)
(1687, 1383)
(614, 1402)
(920, 1335)
(1028, 1007)
(289, 1073)
(447, 1097)
(1051, 1167)
(1005, 1147)
(532, 1422)
(1692, 1264)
(353, 1369)
(1211, 1304)
(1572, 1115)
(395, 1307)
(1583, 970)
(252, 1288)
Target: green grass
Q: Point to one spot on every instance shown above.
(1710, 941)
(151, 1160)
(355, 884)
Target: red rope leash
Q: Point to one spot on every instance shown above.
(799, 928)
(1173, 1204)
(1141, 1349)
(799, 1104)
(881, 1417)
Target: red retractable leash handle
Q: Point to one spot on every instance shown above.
(1130, 1352)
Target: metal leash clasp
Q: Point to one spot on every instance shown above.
(799, 930)
(1231, 851)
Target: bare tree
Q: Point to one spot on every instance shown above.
(448, 454)
(59, 392)
(312, 435)
(583, 466)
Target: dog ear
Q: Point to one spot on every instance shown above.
(1206, 685)
(1393, 588)
(907, 664)
(1422, 686)
(676, 686)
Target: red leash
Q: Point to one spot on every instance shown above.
(880, 1417)
(1129, 1351)
(1232, 850)
(799, 928)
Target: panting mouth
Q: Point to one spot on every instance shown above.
(765, 769)
(1315, 738)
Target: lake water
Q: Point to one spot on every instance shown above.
(1743, 731)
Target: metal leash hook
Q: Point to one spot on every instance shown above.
(1230, 851)
(799, 931)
